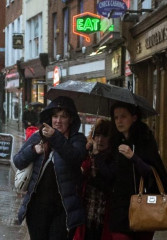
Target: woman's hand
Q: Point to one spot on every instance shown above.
(126, 151)
(39, 148)
(92, 146)
(47, 130)
(95, 148)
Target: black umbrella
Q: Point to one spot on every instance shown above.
(97, 98)
(36, 104)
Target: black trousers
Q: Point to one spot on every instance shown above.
(47, 222)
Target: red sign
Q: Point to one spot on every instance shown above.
(56, 76)
(127, 68)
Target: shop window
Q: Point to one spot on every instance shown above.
(34, 91)
(14, 106)
(41, 93)
(37, 91)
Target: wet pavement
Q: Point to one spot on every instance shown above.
(10, 201)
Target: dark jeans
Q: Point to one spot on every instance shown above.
(46, 222)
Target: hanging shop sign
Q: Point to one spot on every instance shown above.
(56, 76)
(111, 8)
(87, 23)
(18, 41)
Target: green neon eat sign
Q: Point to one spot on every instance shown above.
(88, 24)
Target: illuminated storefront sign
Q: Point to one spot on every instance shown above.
(116, 7)
(87, 23)
(56, 76)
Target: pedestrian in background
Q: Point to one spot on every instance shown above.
(134, 151)
(52, 205)
(96, 184)
(30, 117)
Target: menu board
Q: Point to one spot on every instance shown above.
(6, 145)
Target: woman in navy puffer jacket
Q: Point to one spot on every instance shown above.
(52, 204)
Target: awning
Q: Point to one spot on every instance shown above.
(12, 75)
(12, 85)
(113, 38)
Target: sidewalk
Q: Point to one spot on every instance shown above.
(10, 229)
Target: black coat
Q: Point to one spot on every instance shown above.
(126, 174)
(68, 155)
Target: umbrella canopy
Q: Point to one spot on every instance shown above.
(36, 104)
(97, 98)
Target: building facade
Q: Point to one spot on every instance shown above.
(129, 51)
(147, 45)
(13, 52)
(2, 61)
(35, 25)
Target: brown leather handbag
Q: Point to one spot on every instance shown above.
(148, 212)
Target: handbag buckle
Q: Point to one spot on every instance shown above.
(152, 199)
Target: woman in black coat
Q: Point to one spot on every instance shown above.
(52, 205)
(134, 151)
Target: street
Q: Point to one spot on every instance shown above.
(10, 200)
(9, 204)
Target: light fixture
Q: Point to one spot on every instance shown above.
(93, 54)
(102, 47)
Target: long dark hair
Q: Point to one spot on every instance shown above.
(139, 132)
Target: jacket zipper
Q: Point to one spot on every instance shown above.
(61, 196)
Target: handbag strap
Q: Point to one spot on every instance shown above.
(158, 181)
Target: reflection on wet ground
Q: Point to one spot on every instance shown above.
(9, 204)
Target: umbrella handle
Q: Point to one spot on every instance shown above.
(97, 114)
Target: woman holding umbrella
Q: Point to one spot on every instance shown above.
(134, 150)
(96, 184)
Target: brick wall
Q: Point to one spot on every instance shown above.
(13, 11)
(56, 7)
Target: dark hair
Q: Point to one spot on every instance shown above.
(103, 128)
(56, 110)
(139, 132)
(134, 110)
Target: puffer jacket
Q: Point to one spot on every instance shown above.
(68, 155)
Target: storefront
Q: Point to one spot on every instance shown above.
(34, 82)
(13, 95)
(82, 69)
(147, 44)
(115, 65)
